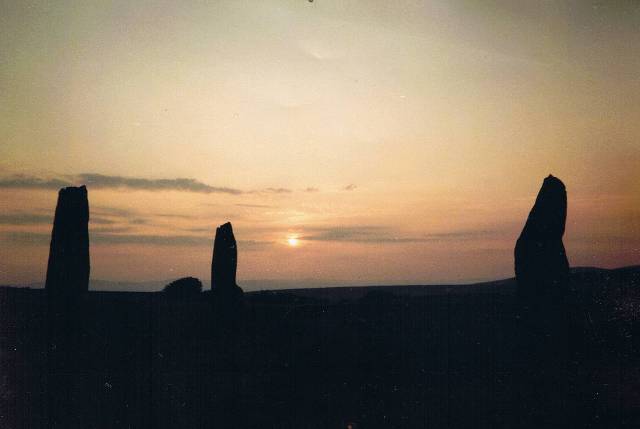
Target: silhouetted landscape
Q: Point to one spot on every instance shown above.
(319, 214)
(552, 347)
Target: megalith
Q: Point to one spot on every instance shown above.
(224, 263)
(541, 264)
(69, 265)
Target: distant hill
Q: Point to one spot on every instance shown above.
(505, 286)
(332, 292)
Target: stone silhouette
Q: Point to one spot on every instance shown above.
(542, 274)
(69, 265)
(224, 263)
(225, 258)
(541, 263)
(184, 288)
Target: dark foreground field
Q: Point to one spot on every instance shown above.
(456, 357)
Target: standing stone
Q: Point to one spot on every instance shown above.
(67, 281)
(542, 274)
(227, 297)
(225, 262)
(225, 259)
(541, 265)
(68, 267)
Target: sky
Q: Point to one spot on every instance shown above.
(348, 142)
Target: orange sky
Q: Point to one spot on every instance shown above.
(400, 142)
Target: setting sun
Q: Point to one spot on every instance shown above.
(293, 241)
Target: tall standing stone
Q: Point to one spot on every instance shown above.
(542, 274)
(69, 265)
(225, 259)
(541, 264)
(227, 296)
(67, 280)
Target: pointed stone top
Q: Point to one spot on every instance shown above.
(551, 180)
(549, 212)
(225, 258)
(541, 263)
(225, 228)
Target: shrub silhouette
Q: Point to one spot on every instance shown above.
(186, 287)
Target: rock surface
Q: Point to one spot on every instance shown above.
(541, 264)
(69, 265)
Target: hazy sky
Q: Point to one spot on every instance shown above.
(398, 142)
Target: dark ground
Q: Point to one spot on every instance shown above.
(427, 357)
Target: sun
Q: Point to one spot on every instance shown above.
(293, 241)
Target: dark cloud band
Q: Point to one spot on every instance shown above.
(113, 237)
(101, 181)
(384, 234)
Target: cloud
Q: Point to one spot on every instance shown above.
(253, 244)
(139, 221)
(109, 230)
(98, 181)
(350, 187)
(173, 216)
(278, 190)
(26, 238)
(29, 182)
(25, 219)
(385, 234)
(111, 215)
(113, 237)
(22, 218)
(338, 233)
(360, 234)
(256, 206)
(101, 181)
(111, 211)
(170, 240)
(99, 216)
(208, 229)
(101, 220)
(157, 240)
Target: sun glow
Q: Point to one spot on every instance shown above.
(293, 241)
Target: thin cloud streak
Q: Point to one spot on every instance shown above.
(24, 219)
(255, 206)
(103, 181)
(278, 190)
(30, 182)
(112, 211)
(113, 237)
(170, 240)
(26, 238)
(99, 181)
(109, 230)
(384, 234)
(40, 219)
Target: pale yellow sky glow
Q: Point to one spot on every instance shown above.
(349, 142)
